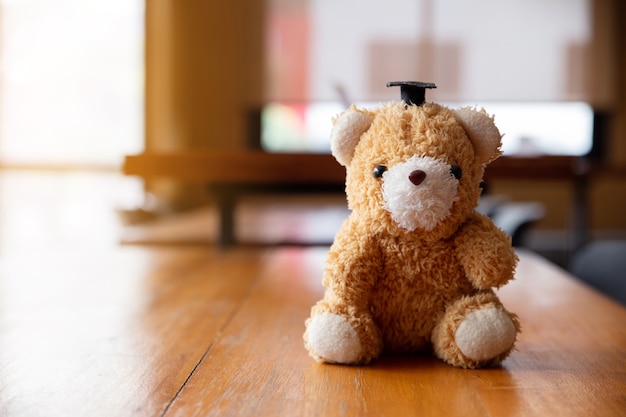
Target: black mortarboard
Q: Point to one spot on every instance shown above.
(412, 92)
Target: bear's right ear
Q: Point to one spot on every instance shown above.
(347, 130)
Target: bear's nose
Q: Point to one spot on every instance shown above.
(417, 176)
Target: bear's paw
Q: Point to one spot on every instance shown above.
(485, 334)
(331, 338)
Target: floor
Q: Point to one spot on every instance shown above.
(51, 210)
(64, 210)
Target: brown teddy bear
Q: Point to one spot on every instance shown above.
(413, 266)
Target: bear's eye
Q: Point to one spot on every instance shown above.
(456, 171)
(379, 170)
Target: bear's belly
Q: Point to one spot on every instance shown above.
(407, 302)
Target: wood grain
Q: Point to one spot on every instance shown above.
(111, 334)
(554, 372)
(207, 332)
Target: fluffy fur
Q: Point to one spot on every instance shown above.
(413, 266)
(422, 206)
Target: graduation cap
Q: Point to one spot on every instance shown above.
(412, 92)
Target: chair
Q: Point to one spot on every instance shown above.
(602, 264)
(515, 218)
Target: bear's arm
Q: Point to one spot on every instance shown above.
(352, 268)
(485, 252)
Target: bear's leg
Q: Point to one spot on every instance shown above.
(475, 331)
(336, 336)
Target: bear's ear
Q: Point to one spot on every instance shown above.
(347, 130)
(482, 131)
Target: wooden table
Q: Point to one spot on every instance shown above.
(209, 332)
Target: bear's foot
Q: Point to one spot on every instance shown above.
(331, 338)
(485, 334)
(475, 331)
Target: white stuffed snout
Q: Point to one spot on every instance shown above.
(419, 192)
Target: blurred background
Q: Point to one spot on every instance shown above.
(71, 106)
(84, 83)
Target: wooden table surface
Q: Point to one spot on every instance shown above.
(209, 332)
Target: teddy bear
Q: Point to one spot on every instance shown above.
(414, 266)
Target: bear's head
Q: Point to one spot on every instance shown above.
(414, 168)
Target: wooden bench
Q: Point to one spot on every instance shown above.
(231, 174)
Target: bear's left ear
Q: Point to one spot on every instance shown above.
(482, 131)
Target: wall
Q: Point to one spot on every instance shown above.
(481, 50)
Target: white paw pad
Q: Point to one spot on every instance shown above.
(333, 338)
(484, 334)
